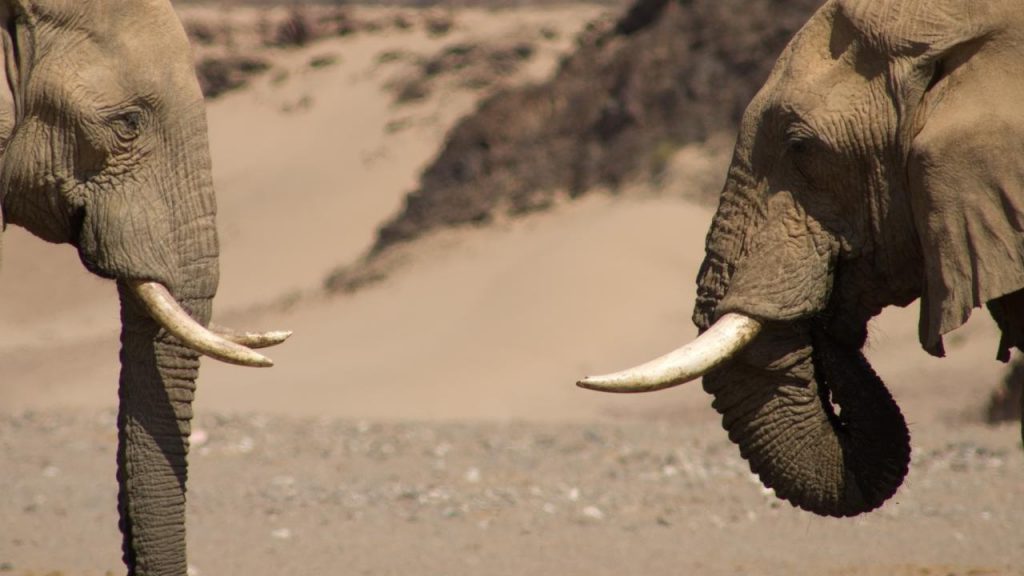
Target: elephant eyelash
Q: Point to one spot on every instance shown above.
(799, 138)
(127, 125)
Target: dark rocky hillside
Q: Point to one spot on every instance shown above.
(409, 3)
(664, 74)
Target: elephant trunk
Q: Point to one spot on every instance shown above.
(776, 397)
(156, 390)
(777, 402)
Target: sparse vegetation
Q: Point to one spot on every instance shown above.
(1007, 401)
(296, 30)
(323, 61)
(218, 75)
(471, 65)
(439, 23)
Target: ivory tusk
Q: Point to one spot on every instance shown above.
(730, 334)
(169, 314)
(251, 339)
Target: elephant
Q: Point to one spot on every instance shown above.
(880, 163)
(104, 146)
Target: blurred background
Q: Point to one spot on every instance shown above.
(461, 208)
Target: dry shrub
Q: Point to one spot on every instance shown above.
(439, 23)
(1005, 403)
(218, 75)
(200, 32)
(465, 64)
(295, 30)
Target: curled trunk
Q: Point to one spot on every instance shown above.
(778, 397)
(781, 416)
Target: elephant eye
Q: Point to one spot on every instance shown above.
(799, 139)
(798, 146)
(802, 150)
(127, 125)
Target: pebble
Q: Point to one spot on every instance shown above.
(198, 438)
(245, 445)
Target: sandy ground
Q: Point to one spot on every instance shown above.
(428, 424)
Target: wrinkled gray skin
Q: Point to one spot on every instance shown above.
(882, 161)
(106, 149)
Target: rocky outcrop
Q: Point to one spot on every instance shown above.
(664, 74)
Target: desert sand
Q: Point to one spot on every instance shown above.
(428, 423)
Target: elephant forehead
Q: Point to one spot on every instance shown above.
(76, 83)
(137, 45)
(831, 77)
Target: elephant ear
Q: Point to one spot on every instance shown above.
(966, 173)
(919, 28)
(8, 111)
(18, 52)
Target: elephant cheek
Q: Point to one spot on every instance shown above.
(787, 273)
(120, 239)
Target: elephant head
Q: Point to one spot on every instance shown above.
(881, 162)
(104, 146)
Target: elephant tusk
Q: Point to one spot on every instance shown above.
(251, 339)
(173, 318)
(730, 334)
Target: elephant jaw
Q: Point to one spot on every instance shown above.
(221, 344)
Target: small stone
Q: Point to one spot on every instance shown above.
(192, 570)
(574, 494)
(593, 512)
(245, 445)
(283, 481)
(282, 534)
(198, 437)
(51, 472)
(473, 475)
